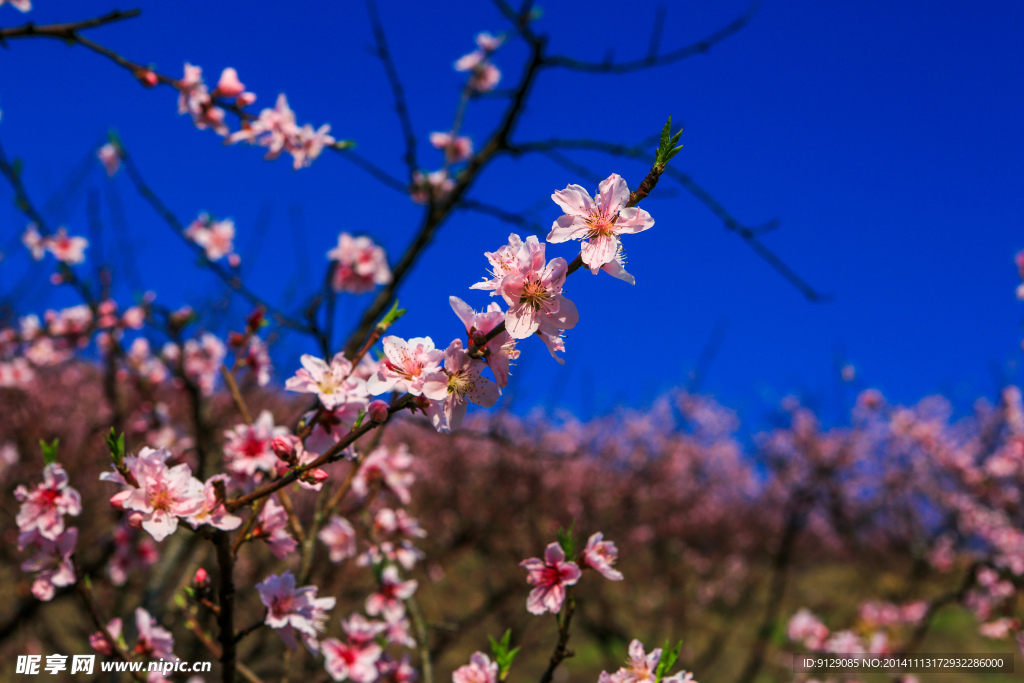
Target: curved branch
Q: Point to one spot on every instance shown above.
(67, 31)
(654, 60)
(398, 92)
(749, 234)
(229, 278)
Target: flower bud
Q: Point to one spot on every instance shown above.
(99, 642)
(117, 500)
(135, 520)
(317, 476)
(378, 411)
(201, 579)
(147, 78)
(283, 448)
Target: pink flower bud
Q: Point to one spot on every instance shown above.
(229, 85)
(117, 500)
(98, 642)
(283, 448)
(135, 520)
(317, 476)
(234, 260)
(147, 78)
(201, 579)
(378, 411)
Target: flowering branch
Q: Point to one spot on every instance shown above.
(230, 279)
(652, 59)
(561, 652)
(749, 234)
(67, 32)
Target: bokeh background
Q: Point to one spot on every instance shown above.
(884, 137)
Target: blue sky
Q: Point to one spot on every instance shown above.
(886, 137)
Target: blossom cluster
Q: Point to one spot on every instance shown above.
(41, 527)
(360, 265)
(67, 249)
(274, 128)
(217, 238)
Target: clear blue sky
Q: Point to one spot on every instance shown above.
(886, 136)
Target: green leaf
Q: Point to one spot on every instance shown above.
(359, 420)
(503, 657)
(392, 316)
(49, 451)
(669, 145)
(669, 657)
(566, 540)
(344, 144)
(115, 442)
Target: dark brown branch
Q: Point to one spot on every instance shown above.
(561, 651)
(438, 212)
(398, 92)
(374, 170)
(749, 234)
(229, 278)
(654, 60)
(226, 597)
(501, 214)
(25, 205)
(66, 31)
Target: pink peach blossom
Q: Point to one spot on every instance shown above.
(154, 640)
(331, 383)
(215, 237)
(499, 351)
(354, 660)
(98, 640)
(202, 360)
(43, 507)
(65, 248)
(52, 561)
(600, 222)
(110, 156)
(550, 577)
(339, 537)
(361, 264)
(163, 493)
(641, 668)
(248, 448)
(213, 512)
(479, 670)
(390, 596)
(392, 466)
(462, 384)
(293, 610)
(34, 242)
(601, 555)
(272, 527)
(412, 366)
(456, 149)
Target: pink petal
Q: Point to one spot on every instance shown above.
(599, 251)
(554, 554)
(567, 228)
(574, 200)
(614, 194)
(633, 220)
